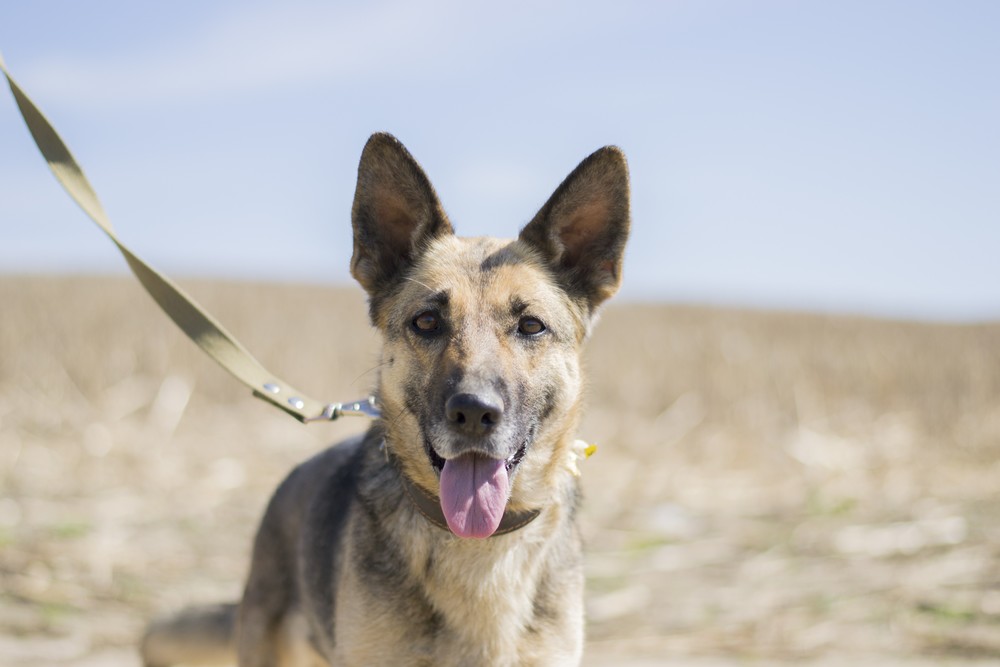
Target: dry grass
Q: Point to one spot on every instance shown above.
(769, 486)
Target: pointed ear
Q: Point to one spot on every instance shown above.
(582, 229)
(395, 214)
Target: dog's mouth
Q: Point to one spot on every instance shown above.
(510, 463)
(475, 489)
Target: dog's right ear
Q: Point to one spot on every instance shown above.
(395, 214)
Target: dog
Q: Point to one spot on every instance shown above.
(446, 534)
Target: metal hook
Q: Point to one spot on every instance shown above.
(363, 408)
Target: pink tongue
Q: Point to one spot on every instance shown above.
(473, 494)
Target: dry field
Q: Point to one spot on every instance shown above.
(770, 488)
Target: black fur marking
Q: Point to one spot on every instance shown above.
(325, 486)
(518, 306)
(544, 606)
(502, 257)
(548, 403)
(413, 399)
(440, 299)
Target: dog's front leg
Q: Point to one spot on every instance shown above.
(257, 634)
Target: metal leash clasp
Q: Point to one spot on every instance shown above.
(363, 408)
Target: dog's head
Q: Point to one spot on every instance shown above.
(480, 378)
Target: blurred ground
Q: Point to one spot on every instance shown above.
(770, 488)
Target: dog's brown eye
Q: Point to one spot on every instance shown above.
(427, 322)
(530, 326)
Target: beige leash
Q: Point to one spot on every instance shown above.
(200, 327)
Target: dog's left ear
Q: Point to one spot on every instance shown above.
(582, 229)
(396, 213)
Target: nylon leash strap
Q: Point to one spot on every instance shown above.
(199, 326)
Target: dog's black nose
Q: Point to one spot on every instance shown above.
(474, 415)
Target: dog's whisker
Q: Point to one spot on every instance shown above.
(424, 285)
(370, 370)
(397, 418)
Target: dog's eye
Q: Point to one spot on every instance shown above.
(530, 326)
(426, 322)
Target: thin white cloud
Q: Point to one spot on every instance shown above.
(256, 48)
(253, 48)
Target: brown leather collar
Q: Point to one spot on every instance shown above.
(429, 505)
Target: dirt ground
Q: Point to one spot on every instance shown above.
(769, 489)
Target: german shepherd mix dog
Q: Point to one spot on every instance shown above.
(445, 535)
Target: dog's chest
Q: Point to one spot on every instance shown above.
(464, 603)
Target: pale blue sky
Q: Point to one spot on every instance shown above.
(822, 155)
